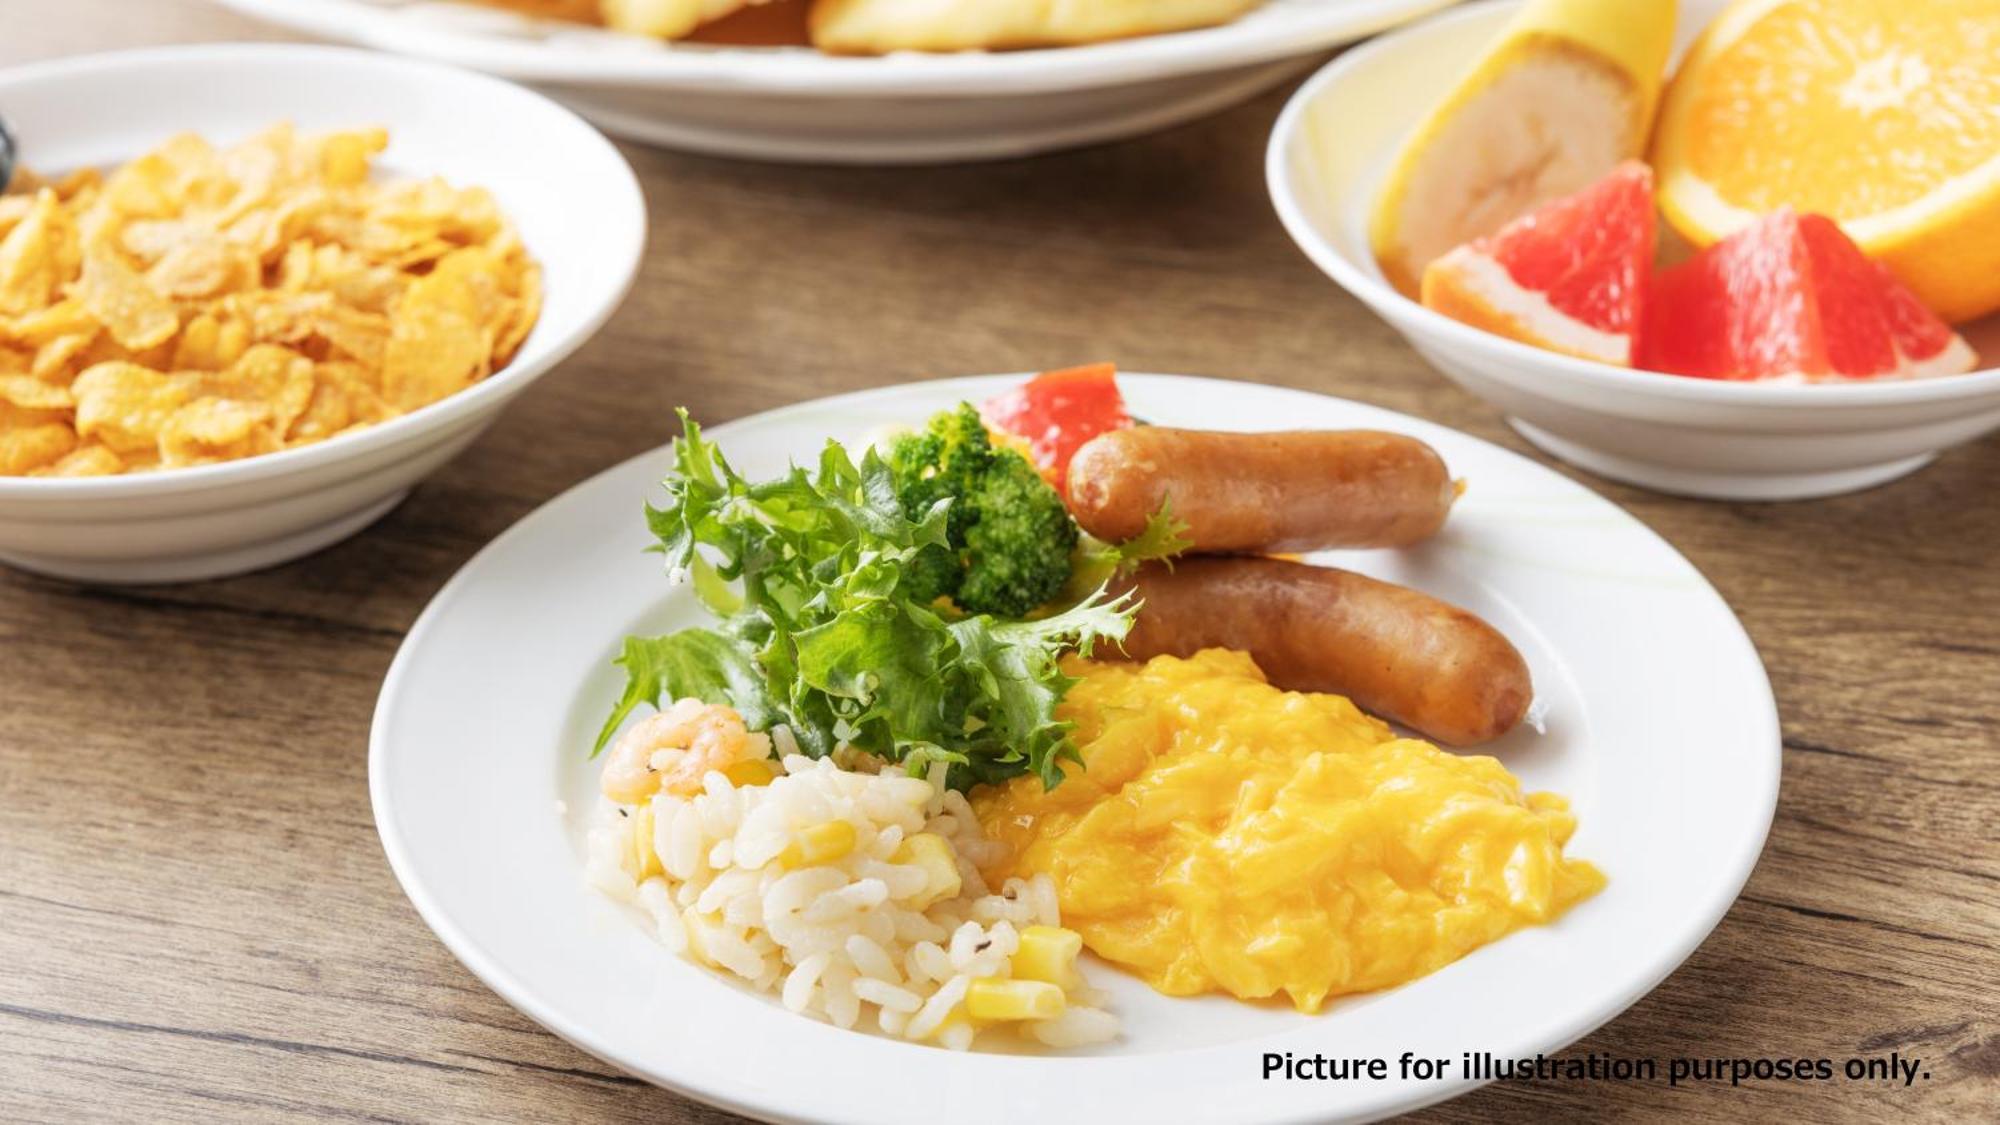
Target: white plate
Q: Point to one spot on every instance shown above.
(792, 103)
(1660, 727)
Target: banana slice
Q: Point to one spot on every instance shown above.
(1564, 95)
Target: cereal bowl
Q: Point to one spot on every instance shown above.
(1328, 155)
(569, 193)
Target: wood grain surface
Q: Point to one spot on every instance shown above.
(196, 920)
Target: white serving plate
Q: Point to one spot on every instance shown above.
(1659, 725)
(1329, 153)
(567, 189)
(796, 104)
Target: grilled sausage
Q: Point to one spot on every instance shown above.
(1298, 490)
(1397, 653)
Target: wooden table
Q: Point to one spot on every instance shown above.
(196, 921)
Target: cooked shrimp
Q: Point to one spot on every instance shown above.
(673, 751)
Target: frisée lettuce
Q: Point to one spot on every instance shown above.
(820, 627)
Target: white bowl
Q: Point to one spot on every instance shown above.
(568, 190)
(793, 103)
(1329, 152)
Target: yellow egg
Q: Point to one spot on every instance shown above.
(1228, 836)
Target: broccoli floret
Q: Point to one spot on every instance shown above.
(1017, 554)
(934, 573)
(1010, 535)
(944, 461)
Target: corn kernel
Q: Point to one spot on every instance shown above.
(995, 998)
(752, 771)
(1048, 953)
(645, 861)
(933, 853)
(821, 843)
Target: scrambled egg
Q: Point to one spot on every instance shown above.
(1230, 836)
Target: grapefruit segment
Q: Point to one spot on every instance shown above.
(1570, 277)
(1792, 298)
(1925, 342)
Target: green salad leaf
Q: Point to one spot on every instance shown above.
(697, 662)
(823, 625)
(1096, 563)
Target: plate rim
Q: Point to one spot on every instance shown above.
(796, 72)
(1712, 909)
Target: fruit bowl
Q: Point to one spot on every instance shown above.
(1328, 156)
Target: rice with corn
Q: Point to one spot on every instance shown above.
(855, 896)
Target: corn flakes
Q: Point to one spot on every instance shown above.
(125, 405)
(202, 304)
(25, 449)
(37, 256)
(90, 460)
(217, 429)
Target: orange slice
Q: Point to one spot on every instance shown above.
(1882, 114)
